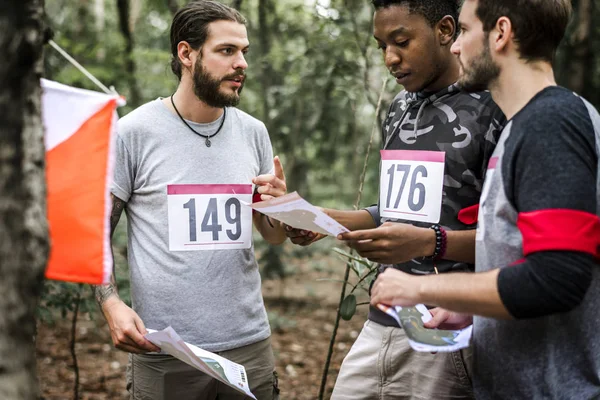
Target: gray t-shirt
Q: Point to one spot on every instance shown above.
(212, 298)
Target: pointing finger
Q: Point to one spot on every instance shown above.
(278, 168)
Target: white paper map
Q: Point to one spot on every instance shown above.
(293, 210)
(220, 368)
(411, 319)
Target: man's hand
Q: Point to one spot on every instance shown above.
(270, 186)
(396, 288)
(392, 243)
(302, 237)
(126, 327)
(444, 319)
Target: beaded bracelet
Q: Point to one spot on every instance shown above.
(441, 243)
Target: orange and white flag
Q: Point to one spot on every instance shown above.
(80, 127)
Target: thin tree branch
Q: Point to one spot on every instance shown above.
(73, 340)
(347, 273)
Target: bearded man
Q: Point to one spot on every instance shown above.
(183, 166)
(535, 296)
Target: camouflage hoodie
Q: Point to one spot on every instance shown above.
(465, 126)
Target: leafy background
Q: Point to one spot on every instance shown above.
(314, 78)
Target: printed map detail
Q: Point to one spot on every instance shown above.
(293, 210)
(228, 372)
(411, 319)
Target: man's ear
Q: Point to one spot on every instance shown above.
(184, 52)
(501, 35)
(446, 29)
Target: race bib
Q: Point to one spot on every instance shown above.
(411, 185)
(209, 217)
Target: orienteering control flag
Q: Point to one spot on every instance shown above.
(79, 126)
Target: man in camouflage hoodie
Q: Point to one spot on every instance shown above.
(535, 296)
(431, 116)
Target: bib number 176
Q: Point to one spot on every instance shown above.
(411, 185)
(416, 190)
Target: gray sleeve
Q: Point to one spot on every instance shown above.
(123, 178)
(374, 211)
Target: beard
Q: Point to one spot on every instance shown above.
(208, 88)
(481, 73)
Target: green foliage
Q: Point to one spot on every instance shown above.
(59, 298)
(348, 307)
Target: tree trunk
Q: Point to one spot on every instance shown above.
(581, 60)
(126, 31)
(264, 39)
(23, 224)
(237, 4)
(173, 6)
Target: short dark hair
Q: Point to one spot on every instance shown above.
(539, 25)
(432, 10)
(191, 22)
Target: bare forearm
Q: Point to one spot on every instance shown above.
(270, 229)
(467, 293)
(461, 246)
(108, 291)
(353, 219)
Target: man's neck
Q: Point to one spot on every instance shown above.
(450, 74)
(519, 83)
(192, 108)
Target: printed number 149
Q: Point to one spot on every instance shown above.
(210, 221)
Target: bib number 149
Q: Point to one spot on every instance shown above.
(201, 218)
(210, 221)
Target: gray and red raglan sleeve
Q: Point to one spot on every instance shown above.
(551, 180)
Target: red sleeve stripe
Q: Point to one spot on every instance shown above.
(468, 215)
(560, 230)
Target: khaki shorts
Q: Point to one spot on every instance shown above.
(162, 377)
(382, 365)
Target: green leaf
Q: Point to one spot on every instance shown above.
(348, 307)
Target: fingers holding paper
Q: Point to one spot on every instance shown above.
(127, 329)
(444, 319)
(302, 237)
(271, 185)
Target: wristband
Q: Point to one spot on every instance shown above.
(441, 243)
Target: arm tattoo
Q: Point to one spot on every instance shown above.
(103, 292)
(115, 214)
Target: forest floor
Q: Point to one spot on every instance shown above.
(302, 312)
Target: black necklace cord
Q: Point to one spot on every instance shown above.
(207, 137)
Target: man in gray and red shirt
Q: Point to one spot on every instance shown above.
(537, 291)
